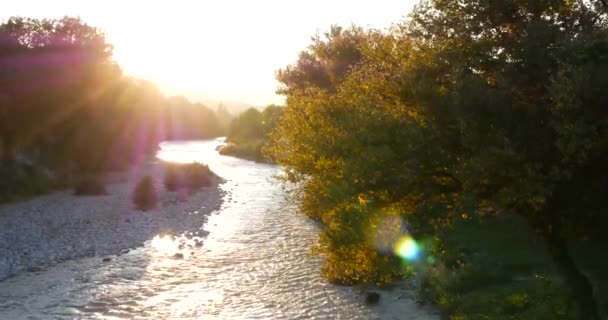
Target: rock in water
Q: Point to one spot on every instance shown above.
(372, 298)
(106, 259)
(178, 255)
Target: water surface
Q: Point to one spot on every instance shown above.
(255, 263)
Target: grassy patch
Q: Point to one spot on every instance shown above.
(499, 270)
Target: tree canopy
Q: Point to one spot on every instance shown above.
(66, 106)
(465, 109)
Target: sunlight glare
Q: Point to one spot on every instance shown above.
(163, 243)
(178, 156)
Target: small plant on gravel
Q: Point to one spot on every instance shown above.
(172, 177)
(90, 185)
(187, 175)
(144, 196)
(199, 175)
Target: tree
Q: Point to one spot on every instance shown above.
(326, 62)
(65, 105)
(465, 107)
(502, 60)
(246, 126)
(48, 66)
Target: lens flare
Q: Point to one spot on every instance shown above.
(407, 249)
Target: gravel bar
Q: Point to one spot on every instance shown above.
(43, 231)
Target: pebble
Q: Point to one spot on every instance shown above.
(60, 226)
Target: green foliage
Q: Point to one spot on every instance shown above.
(248, 133)
(246, 126)
(504, 273)
(22, 181)
(464, 109)
(351, 247)
(144, 195)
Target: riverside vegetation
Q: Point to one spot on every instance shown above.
(178, 176)
(482, 125)
(248, 133)
(479, 128)
(78, 115)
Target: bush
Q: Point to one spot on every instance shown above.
(144, 196)
(245, 150)
(23, 181)
(192, 175)
(172, 182)
(90, 186)
(198, 175)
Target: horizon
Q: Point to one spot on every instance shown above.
(221, 66)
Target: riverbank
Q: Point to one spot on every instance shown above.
(43, 231)
(245, 150)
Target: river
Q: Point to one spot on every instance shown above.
(255, 263)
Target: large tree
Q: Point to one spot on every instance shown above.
(468, 106)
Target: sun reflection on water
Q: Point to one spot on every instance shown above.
(181, 155)
(163, 243)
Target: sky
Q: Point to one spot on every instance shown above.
(226, 50)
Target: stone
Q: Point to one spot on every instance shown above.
(372, 298)
(178, 255)
(33, 269)
(107, 259)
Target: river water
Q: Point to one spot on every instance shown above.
(255, 263)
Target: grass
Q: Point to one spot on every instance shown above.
(500, 270)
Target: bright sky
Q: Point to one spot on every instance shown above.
(223, 49)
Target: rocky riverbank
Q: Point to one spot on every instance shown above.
(46, 230)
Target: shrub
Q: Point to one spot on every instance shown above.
(251, 150)
(144, 196)
(23, 181)
(198, 175)
(90, 185)
(172, 178)
(192, 175)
